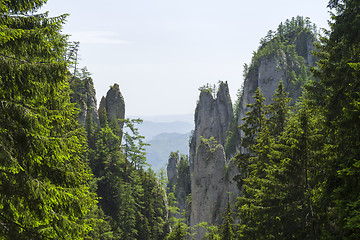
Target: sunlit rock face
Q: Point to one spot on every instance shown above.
(274, 68)
(213, 117)
(211, 172)
(115, 106)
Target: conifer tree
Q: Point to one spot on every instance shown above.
(254, 121)
(227, 229)
(296, 176)
(44, 182)
(337, 96)
(278, 111)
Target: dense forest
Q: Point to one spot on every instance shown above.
(61, 178)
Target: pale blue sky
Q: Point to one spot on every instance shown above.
(161, 51)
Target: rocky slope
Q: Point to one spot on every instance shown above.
(212, 173)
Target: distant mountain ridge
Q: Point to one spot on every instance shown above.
(189, 118)
(157, 154)
(151, 129)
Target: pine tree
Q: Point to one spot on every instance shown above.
(44, 182)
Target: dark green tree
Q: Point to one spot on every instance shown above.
(134, 144)
(254, 121)
(179, 233)
(227, 229)
(297, 177)
(44, 191)
(278, 111)
(336, 95)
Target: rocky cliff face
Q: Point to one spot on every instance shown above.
(212, 185)
(212, 118)
(289, 64)
(84, 97)
(212, 174)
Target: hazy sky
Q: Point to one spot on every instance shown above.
(161, 51)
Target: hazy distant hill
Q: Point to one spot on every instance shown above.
(161, 146)
(152, 129)
(167, 133)
(189, 118)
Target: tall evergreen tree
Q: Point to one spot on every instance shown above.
(44, 191)
(254, 121)
(337, 94)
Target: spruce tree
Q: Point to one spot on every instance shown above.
(254, 121)
(44, 181)
(336, 94)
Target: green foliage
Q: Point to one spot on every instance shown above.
(210, 88)
(210, 142)
(44, 190)
(289, 47)
(301, 181)
(132, 199)
(278, 111)
(179, 233)
(227, 229)
(337, 97)
(134, 145)
(253, 124)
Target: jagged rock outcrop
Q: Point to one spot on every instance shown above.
(283, 56)
(212, 118)
(84, 96)
(171, 170)
(212, 173)
(114, 105)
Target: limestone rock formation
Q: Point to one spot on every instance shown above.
(171, 170)
(84, 97)
(212, 118)
(212, 184)
(114, 105)
(212, 173)
(281, 65)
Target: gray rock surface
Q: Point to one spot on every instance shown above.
(273, 69)
(212, 173)
(171, 170)
(115, 106)
(212, 118)
(84, 96)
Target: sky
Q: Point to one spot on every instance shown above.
(161, 51)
